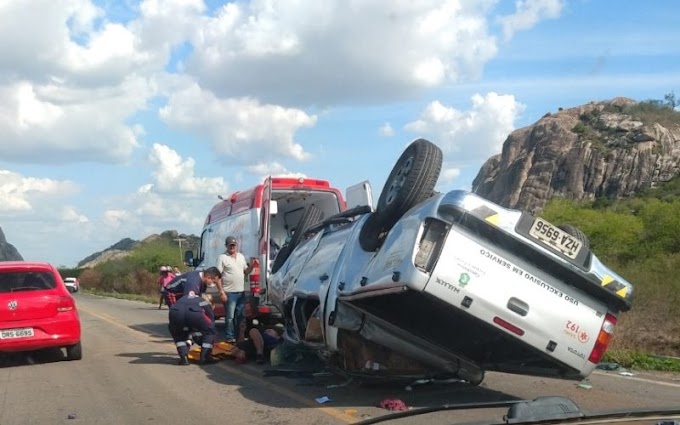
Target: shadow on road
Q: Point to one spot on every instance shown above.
(26, 358)
(150, 358)
(155, 330)
(282, 388)
(160, 330)
(344, 393)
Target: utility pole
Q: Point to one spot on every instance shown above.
(181, 254)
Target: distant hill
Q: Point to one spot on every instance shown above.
(7, 251)
(127, 246)
(610, 149)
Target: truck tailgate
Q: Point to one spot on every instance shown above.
(497, 288)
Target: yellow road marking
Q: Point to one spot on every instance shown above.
(635, 378)
(331, 411)
(113, 321)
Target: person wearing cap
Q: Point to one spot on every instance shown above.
(165, 276)
(234, 268)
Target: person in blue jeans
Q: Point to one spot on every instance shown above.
(234, 268)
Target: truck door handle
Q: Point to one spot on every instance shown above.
(518, 306)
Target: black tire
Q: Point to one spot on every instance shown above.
(311, 217)
(74, 352)
(411, 181)
(577, 233)
(372, 234)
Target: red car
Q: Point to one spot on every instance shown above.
(36, 310)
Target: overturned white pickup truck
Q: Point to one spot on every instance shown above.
(433, 284)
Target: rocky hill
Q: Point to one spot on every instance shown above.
(120, 249)
(126, 246)
(603, 149)
(7, 251)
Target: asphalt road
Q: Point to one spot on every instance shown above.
(128, 376)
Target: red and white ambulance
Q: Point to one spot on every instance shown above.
(263, 218)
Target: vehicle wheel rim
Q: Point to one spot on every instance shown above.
(398, 181)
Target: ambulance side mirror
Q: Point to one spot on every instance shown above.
(189, 259)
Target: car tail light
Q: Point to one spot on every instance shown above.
(255, 278)
(509, 326)
(65, 303)
(603, 339)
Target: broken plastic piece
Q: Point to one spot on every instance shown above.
(322, 400)
(393, 404)
(585, 384)
(608, 366)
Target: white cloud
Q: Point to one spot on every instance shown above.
(54, 123)
(23, 194)
(471, 135)
(70, 39)
(165, 24)
(386, 130)
(175, 175)
(310, 52)
(528, 13)
(240, 130)
(116, 218)
(274, 169)
(70, 214)
(143, 213)
(69, 80)
(448, 175)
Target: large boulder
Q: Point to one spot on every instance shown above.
(603, 149)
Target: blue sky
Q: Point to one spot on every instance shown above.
(127, 118)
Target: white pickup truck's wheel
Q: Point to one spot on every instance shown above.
(411, 181)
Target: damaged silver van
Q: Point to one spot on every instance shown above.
(446, 284)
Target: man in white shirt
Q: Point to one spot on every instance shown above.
(234, 268)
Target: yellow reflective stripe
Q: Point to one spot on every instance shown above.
(607, 280)
(615, 286)
(494, 219)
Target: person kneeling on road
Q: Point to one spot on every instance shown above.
(257, 346)
(193, 313)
